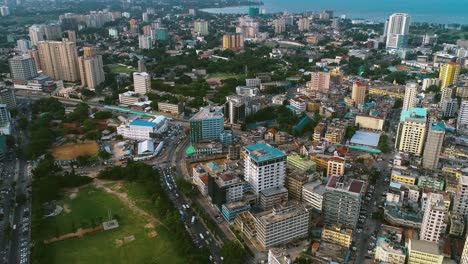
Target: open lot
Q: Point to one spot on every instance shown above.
(71, 151)
(134, 241)
(119, 68)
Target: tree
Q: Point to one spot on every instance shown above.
(398, 103)
(104, 155)
(233, 253)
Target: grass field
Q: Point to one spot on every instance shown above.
(117, 68)
(101, 247)
(71, 151)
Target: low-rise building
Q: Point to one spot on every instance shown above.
(171, 108)
(403, 177)
(131, 98)
(337, 235)
(336, 166)
(312, 194)
(300, 164)
(141, 129)
(387, 251)
(369, 122)
(424, 252)
(273, 196)
(232, 209)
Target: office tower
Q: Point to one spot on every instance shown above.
(37, 33)
(70, 35)
(342, 201)
(409, 101)
(460, 201)
(397, 31)
(359, 93)
(279, 25)
(420, 252)
(207, 124)
(4, 115)
(464, 256)
(433, 223)
(449, 107)
(141, 82)
(234, 109)
(145, 17)
(462, 120)
(4, 11)
(23, 45)
(225, 188)
(53, 31)
(145, 42)
(449, 74)
(59, 60)
(161, 34)
(91, 71)
(303, 24)
(233, 41)
(264, 167)
(8, 98)
(433, 147)
(319, 81)
(22, 68)
(336, 166)
(201, 27)
(412, 131)
(282, 224)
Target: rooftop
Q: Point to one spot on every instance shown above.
(209, 112)
(424, 246)
(440, 126)
(415, 114)
(353, 186)
(274, 191)
(365, 138)
(390, 246)
(142, 122)
(263, 152)
(281, 213)
(315, 186)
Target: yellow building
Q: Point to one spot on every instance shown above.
(369, 122)
(337, 235)
(423, 252)
(382, 92)
(59, 60)
(411, 132)
(359, 93)
(233, 42)
(320, 160)
(336, 166)
(404, 178)
(449, 74)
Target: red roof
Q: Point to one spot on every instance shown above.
(332, 181)
(356, 186)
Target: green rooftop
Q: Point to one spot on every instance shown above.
(414, 114)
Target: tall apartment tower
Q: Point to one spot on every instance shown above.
(201, 27)
(433, 223)
(359, 93)
(462, 121)
(59, 60)
(7, 97)
(303, 24)
(234, 109)
(460, 201)
(22, 68)
(319, 81)
(264, 167)
(412, 131)
(145, 42)
(342, 201)
(449, 74)
(464, 256)
(233, 41)
(409, 101)
(141, 82)
(37, 33)
(433, 147)
(397, 31)
(53, 31)
(91, 71)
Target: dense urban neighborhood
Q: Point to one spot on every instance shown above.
(167, 132)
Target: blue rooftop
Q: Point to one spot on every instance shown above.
(415, 114)
(440, 126)
(142, 122)
(262, 152)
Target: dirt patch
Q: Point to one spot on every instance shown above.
(149, 226)
(73, 196)
(66, 208)
(129, 239)
(71, 151)
(152, 234)
(118, 242)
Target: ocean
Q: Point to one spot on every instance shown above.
(431, 11)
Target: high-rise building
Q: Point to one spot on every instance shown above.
(8, 98)
(464, 256)
(141, 82)
(319, 81)
(409, 101)
(420, 252)
(53, 31)
(433, 147)
(433, 223)
(429, 82)
(282, 224)
(264, 167)
(4, 115)
(207, 124)
(462, 121)
(59, 60)
(303, 24)
(397, 31)
(91, 71)
(233, 41)
(412, 131)
(449, 107)
(22, 68)
(449, 74)
(359, 93)
(70, 35)
(35, 55)
(460, 201)
(336, 166)
(342, 201)
(37, 33)
(161, 34)
(201, 27)
(4, 11)
(234, 109)
(279, 25)
(23, 45)
(145, 42)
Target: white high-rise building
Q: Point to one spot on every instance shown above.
(201, 27)
(22, 68)
(462, 121)
(37, 33)
(409, 101)
(433, 223)
(141, 82)
(412, 131)
(464, 256)
(397, 31)
(23, 45)
(460, 201)
(264, 167)
(145, 42)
